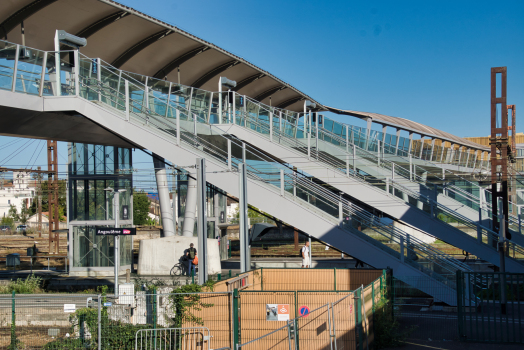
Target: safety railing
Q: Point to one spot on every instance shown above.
(131, 99)
(390, 184)
(173, 338)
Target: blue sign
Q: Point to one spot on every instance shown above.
(304, 311)
(108, 304)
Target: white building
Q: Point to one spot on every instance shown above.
(21, 189)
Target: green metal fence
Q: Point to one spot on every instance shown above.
(491, 307)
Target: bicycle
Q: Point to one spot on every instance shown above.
(177, 270)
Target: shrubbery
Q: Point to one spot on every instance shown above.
(32, 284)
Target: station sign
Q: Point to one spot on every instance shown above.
(113, 231)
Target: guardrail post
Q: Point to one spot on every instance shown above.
(99, 78)
(229, 154)
(15, 68)
(42, 75)
(282, 182)
(271, 126)
(378, 152)
(347, 139)
(393, 171)
(354, 160)
(177, 113)
(410, 168)
(309, 145)
(236, 320)
(126, 86)
(401, 249)
(77, 72)
(347, 165)
(280, 121)
(387, 185)
(340, 213)
(154, 316)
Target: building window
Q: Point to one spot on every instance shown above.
(8, 201)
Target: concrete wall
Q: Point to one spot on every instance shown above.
(157, 256)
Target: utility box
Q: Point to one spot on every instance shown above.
(127, 294)
(13, 259)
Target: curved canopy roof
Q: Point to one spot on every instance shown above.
(409, 125)
(136, 42)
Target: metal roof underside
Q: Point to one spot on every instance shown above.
(136, 42)
(410, 125)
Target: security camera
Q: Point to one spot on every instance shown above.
(70, 39)
(228, 83)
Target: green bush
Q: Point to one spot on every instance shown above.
(387, 329)
(32, 284)
(65, 344)
(184, 303)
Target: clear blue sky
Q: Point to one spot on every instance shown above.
(427, 61)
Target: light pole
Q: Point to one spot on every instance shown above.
(116, 215)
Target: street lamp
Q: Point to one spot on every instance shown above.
(116, 214)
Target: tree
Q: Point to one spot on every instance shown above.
(13, 213)
(141, 205)
(256, 213)
(24, 213)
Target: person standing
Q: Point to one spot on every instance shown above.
(305, 255)
(191, 254)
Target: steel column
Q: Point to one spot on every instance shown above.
(243, 218)
(202, 221)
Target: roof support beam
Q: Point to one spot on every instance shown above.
(290, 101)
(102, 23)
(16, 18)
(168, 68)
(269, 92)
(245, 82)
(213, 72)
(135, 49)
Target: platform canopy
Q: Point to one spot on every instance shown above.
(135, 42)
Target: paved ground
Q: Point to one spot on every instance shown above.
(455, 345)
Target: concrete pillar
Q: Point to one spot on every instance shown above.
(163, 196)
(190, 213)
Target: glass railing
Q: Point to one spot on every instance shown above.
(427, 202)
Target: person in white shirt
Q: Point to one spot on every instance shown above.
(305, 255)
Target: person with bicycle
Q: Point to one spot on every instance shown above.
(190, 255)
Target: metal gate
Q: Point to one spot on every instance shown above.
(490, 306)
(192, 338)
